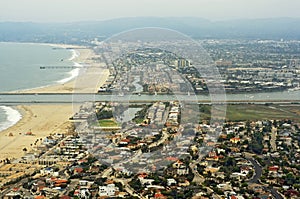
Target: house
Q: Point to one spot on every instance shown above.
(78, 170)
(224, 186)
(110, 190)
(212, 169)
(219, 150)
(238, 175)
(49, 141)
(212, 154)
(124, 142)
(82, 193)
(184, 184)
(12, 195)
(245, 170)
(273, 169)
(82, 161)
(159, 195)
(171, 182)
(85, 183)
(40, 197)
(47, 171)
(142, 175)
(65, 197)
(177, 164)
(172, 159)
(213, 158)
(145, 181)
(123, 194)
(292, 193)
(183, 170)
(235, 140)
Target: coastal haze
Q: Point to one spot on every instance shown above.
(105, 99)
(91, 10)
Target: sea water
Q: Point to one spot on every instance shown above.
(20, 66)
(8, 117)
(20, 70)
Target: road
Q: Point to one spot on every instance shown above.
(257, 175)
(50, 151)
(18, 184)
(197, 177)
(275, 193)
(163, 139)
(273, 139)
(128, 188)
(106, 173)
(71, 186)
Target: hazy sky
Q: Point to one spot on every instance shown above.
(83, 10)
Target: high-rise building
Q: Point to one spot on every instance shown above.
(181, 63)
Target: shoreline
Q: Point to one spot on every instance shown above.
(44, 119)
(57, 85)
(92, 73)
(13, 116)
(41, 120)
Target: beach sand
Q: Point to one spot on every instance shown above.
(44, 119)
(41, 120)
(88, 81)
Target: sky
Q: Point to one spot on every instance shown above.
(86, 10)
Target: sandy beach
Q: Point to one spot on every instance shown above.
(44, 119)
(89, 80)
(41, 120)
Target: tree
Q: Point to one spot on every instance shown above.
(229, 161)
(256, 143)
(248, 127)
(290, 179)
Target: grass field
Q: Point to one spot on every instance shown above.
(238, 112)
(108, 123)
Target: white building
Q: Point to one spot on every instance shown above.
(109, 190)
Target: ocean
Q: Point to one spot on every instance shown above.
(20, 70)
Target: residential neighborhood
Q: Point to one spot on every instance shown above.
(245, 66)
(149, 99)
(249, 159)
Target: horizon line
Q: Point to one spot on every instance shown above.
(148, 17)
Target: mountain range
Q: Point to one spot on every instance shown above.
(198, 28)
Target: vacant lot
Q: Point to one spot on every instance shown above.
(238, 112)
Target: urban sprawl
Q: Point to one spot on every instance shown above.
(151, 150)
